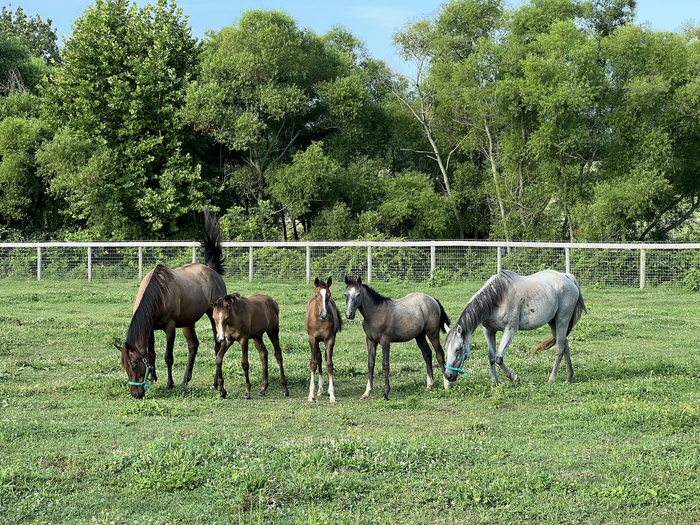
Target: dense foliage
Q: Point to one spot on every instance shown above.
(558, 119)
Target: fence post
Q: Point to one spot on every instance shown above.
(194, 254)
(90, 263)
(38, 263)
(250, 264)
(567, 256)
(499, 259)
(432, 261)
(308, 264)
(140, 263)
(642, 267)
(369, 264)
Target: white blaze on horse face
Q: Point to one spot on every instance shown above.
(219, 316)
(351, 296)
(322, 314)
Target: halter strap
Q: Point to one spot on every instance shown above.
(148, 376)
(461, 366)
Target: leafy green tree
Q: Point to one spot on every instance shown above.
(23, 199)
(648, 177)
(33, 33)
(120, 157)
(257, 93)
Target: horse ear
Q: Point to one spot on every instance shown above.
(330, 281)
(316, 282)
(347, 280)
(447, 329)
(120, 348)
(359, 281)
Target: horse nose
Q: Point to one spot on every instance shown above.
(323, 315)
(450, 375)
(219, 339)
(138, 394)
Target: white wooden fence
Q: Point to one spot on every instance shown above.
(598, 264)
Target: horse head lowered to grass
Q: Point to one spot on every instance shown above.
(171, 298)
(509, 302)
(386, 321)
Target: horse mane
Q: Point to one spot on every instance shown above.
(483, 302)
(153, 299)
(375, 295)
(337, 318)
(231, 298)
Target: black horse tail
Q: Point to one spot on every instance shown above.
(444, 320)
(213, 253)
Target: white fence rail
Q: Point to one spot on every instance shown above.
(597, 264)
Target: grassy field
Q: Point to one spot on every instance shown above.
(619, 445)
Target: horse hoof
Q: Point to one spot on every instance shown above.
(261, 394)
(332, 401)
(311, 400)
(364, 396)
(516, 378)
(285, 394)
(246, 397)
(223, 394)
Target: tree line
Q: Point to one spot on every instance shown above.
(558, 119)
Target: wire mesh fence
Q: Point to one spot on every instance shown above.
(603, 265)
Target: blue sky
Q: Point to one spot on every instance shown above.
(372, 21)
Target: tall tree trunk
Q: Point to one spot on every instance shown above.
(494, 172)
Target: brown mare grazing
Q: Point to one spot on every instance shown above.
(169, 299)
(387, 321)
(322, 322)
(239, 319)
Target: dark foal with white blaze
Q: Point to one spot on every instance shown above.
(322, 322)
(509, 302)
(240, 319)
(386, 321)
(169, 299)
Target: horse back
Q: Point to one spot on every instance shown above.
(262, 314)
(193, 288)
(413, 314)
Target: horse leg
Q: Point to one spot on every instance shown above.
(371, 358)
(440, 355)
(262, 352)
(319, 360)
(152, 354)
(508, 335)
(491, 343)
(217, 344)
(569, 366)
(169, 345)
(562, 349)
(313, 343)
(385, 367)
(245, 365)
(427, 357)
(219, 376)
(330, 343)
(274, 337)
(192, 347)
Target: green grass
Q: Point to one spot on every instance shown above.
(619, 445)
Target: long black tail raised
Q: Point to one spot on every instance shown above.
(213, 253)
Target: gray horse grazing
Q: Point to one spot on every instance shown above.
(387, 321)
(509, 302)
